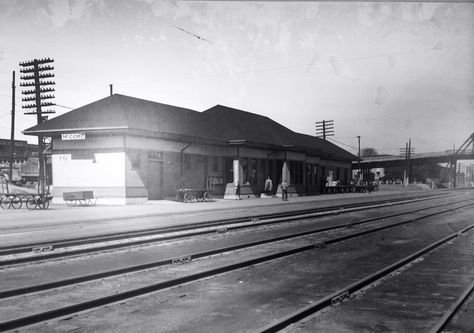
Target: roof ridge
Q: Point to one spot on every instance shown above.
(248, 112)
(125, 97)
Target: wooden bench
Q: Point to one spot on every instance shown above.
(82, 198)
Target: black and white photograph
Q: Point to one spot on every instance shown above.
(228, 166)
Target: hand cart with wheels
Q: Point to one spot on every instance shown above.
(38, 201)
(10, 200)
(188, 195)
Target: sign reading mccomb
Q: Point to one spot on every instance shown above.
(73, 136)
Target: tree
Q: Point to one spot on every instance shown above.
(368, 152)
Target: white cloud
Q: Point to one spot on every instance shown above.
(382, 96)
(283, 40)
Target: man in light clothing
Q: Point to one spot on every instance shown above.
(268, 186)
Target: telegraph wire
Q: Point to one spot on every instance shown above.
(66, 107)
(342, 143)
(305, 65)
(61, 106)
(194, 35)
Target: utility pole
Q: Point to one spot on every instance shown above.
(458, 176)
(407, 153)
(12, 133)
(453, 166)
(324, 128)
(409, 163)
(37, 71)
(358, 139)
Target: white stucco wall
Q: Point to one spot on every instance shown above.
(105, 176)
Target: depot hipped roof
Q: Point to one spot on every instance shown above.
(219, 123)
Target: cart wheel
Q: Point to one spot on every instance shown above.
(31, 203)
(44, 204)
(5, 202)
(200, 196)
(188, 197)
(16, 202)
(207, 196)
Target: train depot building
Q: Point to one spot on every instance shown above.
(129, 150)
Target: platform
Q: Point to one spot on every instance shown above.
(60, 221)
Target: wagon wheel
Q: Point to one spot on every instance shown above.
(31, 203)
(16, 202)
(188, 197)
(207, 196)
(44, 203)
(5, 202)
(200, 196)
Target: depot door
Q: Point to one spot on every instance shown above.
(155, 180)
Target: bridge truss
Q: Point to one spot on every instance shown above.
(457, 155)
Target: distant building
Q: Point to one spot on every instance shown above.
(22, 151)
(130, 150)
(25, 161)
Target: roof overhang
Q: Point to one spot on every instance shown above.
(73, 130)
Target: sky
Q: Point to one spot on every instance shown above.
(387, 72)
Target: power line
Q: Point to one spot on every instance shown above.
(305, 65)
(194, 35)
(342, 143)
(66, 107)
(62, 106)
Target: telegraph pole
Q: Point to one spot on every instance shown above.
(407, 152)
(37, 71)
(324, 128)
(12, 133)
(409, 163)
(358, 139)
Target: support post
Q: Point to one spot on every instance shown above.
(181, 170)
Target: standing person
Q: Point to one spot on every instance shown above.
(237, 191)
(284, 190)
(268, 186)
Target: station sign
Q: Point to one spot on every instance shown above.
(73, 136)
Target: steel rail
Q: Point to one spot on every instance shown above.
(356, 286)
(203, 254)
(87, 305)
(9, 250)
(218, 227)
(446, 318)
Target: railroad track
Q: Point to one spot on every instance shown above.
(443, 322)
(67, 310)
(186, 257)
(351, 290)
(34, 252)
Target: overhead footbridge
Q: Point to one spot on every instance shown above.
(464, 152)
